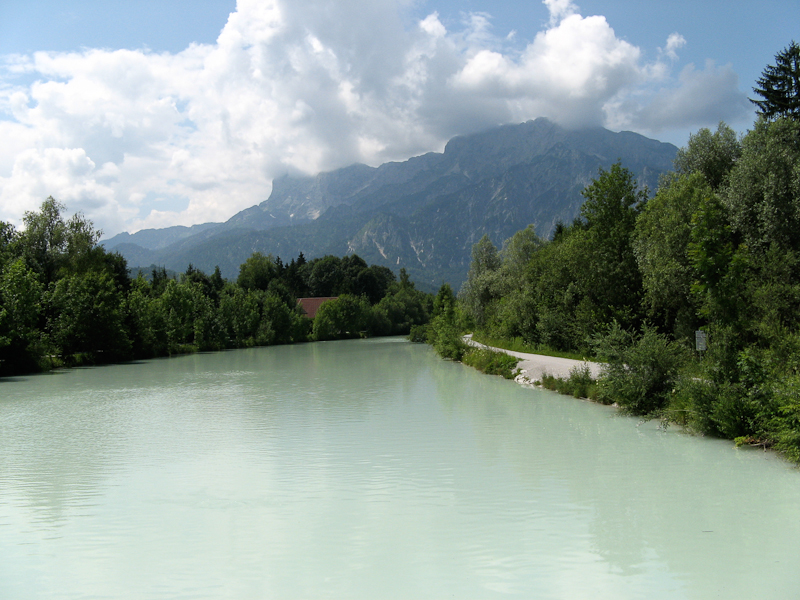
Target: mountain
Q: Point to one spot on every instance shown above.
(423, 214)
(155, 239)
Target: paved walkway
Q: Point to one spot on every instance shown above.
(532, 366)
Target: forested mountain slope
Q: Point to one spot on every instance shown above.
(423, 214)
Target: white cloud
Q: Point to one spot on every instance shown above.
(675, 41)
(567, 73)
(699, 98)
(138, 139)
(559, 9)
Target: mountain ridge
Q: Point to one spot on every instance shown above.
(423, 214)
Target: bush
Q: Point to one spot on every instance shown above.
(788, 425)
(491, 362)
(344, 317)
(641, 371)
(419, 334)
(579, 384)
(445, 337)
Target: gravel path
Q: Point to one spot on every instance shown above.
(532, 366)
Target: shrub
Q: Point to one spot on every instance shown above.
(491, 362)
(641, 371)
(579, 384)
(419, 334)
(580, 381)
(445, 337)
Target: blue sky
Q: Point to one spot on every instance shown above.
(156, 113)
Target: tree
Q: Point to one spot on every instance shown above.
(49, 243)
(7, 237)
(326, 277)
(20, 309)
(479, 289)
(661, 246)
(445, 302)
(87, 317)
(403, 307)
(341, 318)
(779, 85)
(612, 205)
(257, 271)
(763, 195)
(711, 154)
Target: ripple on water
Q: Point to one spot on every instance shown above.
(370, 469)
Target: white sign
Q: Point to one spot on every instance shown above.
(700, 340)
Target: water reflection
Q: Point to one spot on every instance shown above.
(370, 469)
(645, 495)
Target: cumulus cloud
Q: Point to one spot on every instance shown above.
(675, 42)
(141, 139)
(700, 97)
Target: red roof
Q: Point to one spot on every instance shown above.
(310, 306)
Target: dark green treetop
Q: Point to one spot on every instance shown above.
(779, 85)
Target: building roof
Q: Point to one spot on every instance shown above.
(310, 306)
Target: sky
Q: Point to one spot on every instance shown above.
(175, 112)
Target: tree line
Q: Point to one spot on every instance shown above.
(716, 249)
(65, 300)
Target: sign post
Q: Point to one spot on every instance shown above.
(700, 341)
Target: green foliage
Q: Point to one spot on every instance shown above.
(445, 302)
(614, 285)
(763, 198)
(711, 155)
(87, 317)
(445, 334)
(787, 426)
(418, 334)
(579, 384)
(326, 277)
(491, 362)
(20, 311)
(402, 308)
(345, 317)
(8, 237)
(640, 371)
(564, 313)
(512, 312)
(661, 246)
(719, 265)
(717, 248)
(779, 85)
(49, 243)
(518, 344)
(64, 300)
(257, 272)
(480, 289)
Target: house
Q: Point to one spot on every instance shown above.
(310, 306)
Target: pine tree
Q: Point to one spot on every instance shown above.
(779, 85)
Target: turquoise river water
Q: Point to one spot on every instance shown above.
(370, 469)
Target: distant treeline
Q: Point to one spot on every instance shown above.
(64, 300)
(630, 281)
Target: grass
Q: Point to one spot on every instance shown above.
(518, 345)
(579, 384)
(491, 362)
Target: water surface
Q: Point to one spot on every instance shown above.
(370, 469)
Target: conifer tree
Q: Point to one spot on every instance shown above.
(779, 85)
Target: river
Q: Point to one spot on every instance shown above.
(370, 469)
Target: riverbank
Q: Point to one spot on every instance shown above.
(533, 366)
